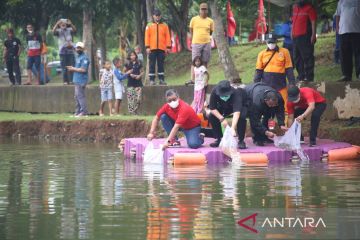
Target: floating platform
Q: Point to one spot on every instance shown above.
(325, 150)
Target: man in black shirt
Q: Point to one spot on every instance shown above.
(264, 103)
(11, 57)
(224, 101)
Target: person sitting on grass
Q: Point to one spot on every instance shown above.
(119, 78)
(176, 115)
(106, 85)
(301, 103)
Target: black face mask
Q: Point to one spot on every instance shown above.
(79, 51)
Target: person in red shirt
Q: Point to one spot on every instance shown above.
(301, 103)
(177, 115)
(304, 37)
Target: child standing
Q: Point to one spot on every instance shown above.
(201, 82)
(134, 86)
(106, 85)
(119, 78)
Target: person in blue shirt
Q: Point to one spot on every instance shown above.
(285, 31)
(119, 78)
(80, 79)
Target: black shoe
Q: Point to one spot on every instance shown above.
(344, 79)
(312, 144)
(241, 145)
(162, 83)
(190, 82)
(215, 144)
(268, 140)
(259, 143)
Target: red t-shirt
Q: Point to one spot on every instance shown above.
(300, 18)
(307, 96)
(184, 115)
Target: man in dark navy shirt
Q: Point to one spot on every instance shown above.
(11, 57)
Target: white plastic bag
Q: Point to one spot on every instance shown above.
(291, 139)
(228, 145)
(153, 155)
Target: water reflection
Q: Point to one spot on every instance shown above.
(89, 192)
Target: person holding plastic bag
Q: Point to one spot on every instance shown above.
(301, 103)
(176, 115)
(264, 103)
(225, 101)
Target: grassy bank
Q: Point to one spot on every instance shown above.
(244, 56)
(9, 116)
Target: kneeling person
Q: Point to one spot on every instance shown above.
(177, 115)
(224, 101)
(301, 103)
(264, 103)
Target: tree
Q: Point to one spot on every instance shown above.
(222, 46)
(179, 21)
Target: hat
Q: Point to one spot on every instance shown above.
(80, 45)
(156, 12)
(224, 88)
(293, 93)
(270, 38)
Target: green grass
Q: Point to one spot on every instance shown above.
(8, 116)
(177, 66)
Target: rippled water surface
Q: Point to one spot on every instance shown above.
(87, 191)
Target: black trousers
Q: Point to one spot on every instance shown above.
(12, 65)
(216, 126)
(349, 47)
(315, 118)
(257, 135)
(159, 57)
(303, 53)
(67, 60)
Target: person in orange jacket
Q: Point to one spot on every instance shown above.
(158, 44)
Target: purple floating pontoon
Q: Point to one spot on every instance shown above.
(136, 146)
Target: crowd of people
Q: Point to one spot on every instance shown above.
(274, 92)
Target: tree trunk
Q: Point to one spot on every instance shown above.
(222, 46)
(139, 21)
(87, 39)
(102, 45)
(180, 17)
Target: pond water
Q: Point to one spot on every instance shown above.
(88, 191)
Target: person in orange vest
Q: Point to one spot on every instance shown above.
(158, 44)
(274, 67)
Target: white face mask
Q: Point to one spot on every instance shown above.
(174, 104)
(271, 46)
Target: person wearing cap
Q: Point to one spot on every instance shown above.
(301, 103)
(225, 101)
(11, 55)
(80, 79)
(303, 34)
(158, 44)
(64, 30)
(176, 115)
(264, 103)
(274, 67)
(201, 28)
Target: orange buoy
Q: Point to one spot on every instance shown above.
(189, 159)
(254, 158)
(350, 153)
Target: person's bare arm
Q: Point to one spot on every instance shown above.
(154, 124)
(307, 112)
(313, 32)
(56, 26)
